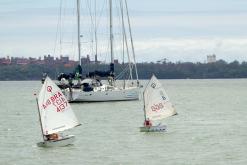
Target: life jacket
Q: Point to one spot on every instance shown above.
(147, 123)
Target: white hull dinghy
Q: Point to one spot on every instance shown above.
(64, 141)
(55, 116)
(156, 106)
(158, 128)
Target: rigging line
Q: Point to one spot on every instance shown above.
(73, 36)
(95, 30)
(97, 21)
(101, 13)
(126, 43)
(111, 31)
(123, 42)
(132, 44)
(78, 5)
(92, 25)
(107, 48)
(62, 25)
(119, 34)
(57, 29)
(122, 34)
(100, 16)
(125, 70)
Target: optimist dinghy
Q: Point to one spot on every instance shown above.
(55, 116)
(156, 106)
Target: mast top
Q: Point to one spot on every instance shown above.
(111, 32)
(78, 31)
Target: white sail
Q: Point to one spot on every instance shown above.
(55, 112)
(156, 101)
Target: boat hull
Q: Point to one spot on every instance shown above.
(100, 96)
(158, 128)
(64, 141)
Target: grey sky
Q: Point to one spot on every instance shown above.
(178, 31)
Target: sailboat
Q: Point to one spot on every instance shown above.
(55, 116)
(157, 106)
(91, 89)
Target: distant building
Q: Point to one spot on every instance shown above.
(5, 61)
(162, 61)
(19, 60)
(64, 60)
(22, 61)
(211, 58)
(71, 64)
(49, 60)
(85, 60)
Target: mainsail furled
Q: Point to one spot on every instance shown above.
(55, 112)
(156, 101)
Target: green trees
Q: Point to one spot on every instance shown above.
(219, 69)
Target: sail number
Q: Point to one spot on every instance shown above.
(58, 101)
(60, 104)
(157, 107)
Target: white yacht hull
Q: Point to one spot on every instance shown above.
(66, 140)
(78, 95)
(158, 128)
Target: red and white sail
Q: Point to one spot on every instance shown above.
(55, 112)
(156, 101)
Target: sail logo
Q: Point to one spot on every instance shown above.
(49, 88)
(153, 85)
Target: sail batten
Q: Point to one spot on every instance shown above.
(55, 112)
(156, 101)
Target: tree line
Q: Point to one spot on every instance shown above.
(165, 70)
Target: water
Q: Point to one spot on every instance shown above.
(210, 128)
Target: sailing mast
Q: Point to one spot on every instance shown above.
(132, 44)
(95, 30)
(144, 107)
(78, 31)
(111, 46)
(125, 40)
(111, 33)
(41, 126)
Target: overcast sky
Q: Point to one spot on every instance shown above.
(176, 30)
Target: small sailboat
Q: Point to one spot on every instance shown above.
(156, 106)
(55, 116)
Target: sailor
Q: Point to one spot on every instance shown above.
(47, 137)
(147, 123)
(53, 136)
(43, 78)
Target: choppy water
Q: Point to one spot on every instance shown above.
(211, 128)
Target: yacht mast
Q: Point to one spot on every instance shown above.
(41, 125)
(95, 29)
(78, 31)
(125, 40)
(111, 33)
(132, 44)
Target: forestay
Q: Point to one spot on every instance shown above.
(55, 112)
(157, 104)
